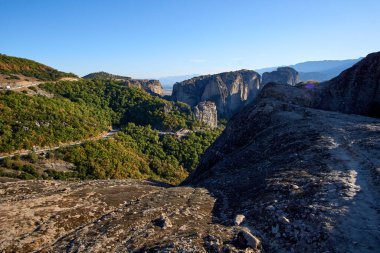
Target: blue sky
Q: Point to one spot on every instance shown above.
(155, 38)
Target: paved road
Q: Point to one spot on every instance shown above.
(25, 86)
(46, 149)
(105, 136)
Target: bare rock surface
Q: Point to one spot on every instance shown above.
(356, 90)
(151, 86)
(306, 179)
(107, 216)
(206, 112)
(230, 91)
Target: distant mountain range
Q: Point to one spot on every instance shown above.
(318, 70)
(310, 70)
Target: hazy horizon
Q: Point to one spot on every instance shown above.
(156, 39)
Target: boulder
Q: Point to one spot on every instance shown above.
(239, 219)
(245, 239)
(163, 222)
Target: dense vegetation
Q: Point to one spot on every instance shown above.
(26, 121)
(105, 76)
(135, 152)
(128, 104)
(83, 109)
(13, 65)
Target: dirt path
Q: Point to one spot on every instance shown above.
(360, 225)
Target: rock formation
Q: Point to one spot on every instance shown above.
(230, 91)
(206, 112)
(283, 75)
(284, 176)
(356, 90)
(305, 179)
(153, 87)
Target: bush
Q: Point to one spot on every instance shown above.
(33, 157)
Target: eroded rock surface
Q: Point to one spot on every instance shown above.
(356, 90)
(108, 216)
(207, 113)
(152, 86)
(306, 180)
(230, 91)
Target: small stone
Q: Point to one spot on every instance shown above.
(183, 227)
(270, 208)
(239, 219)
(283, 219)
(295, 187)
(164, 222)
(246, 239)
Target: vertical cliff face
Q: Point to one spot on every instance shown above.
(230, 91)
(356, 90)
(283, 75)
(206, 112)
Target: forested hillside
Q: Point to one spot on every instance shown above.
(82, 110)
(10, 65)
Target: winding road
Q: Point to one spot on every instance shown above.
(69, 144)
(46, 149)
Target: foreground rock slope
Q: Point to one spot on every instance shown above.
(107, 216)
(284, 176)
(306, 180)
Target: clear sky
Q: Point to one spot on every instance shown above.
(155, 38)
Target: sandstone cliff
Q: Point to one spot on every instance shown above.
(230, 91)
(206, 112)
(283, 75)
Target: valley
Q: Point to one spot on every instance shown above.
(232, 162)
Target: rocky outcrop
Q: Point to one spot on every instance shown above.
(153, 87)
(356, 90)
(307, 180)
(230, 91)
(206, 112)
(109, 216)
(283, 75)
